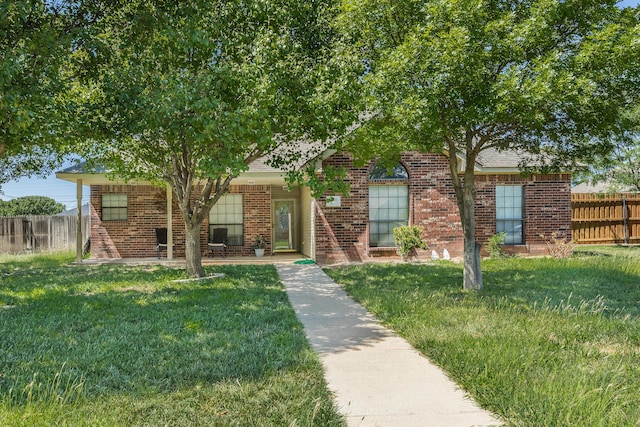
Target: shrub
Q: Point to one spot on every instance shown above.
(408, 238)
(559, 247)
(495, 244)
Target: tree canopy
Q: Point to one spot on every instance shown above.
(30, 205)
(545, 77)
(35, 40)
(619, 168)
(190, 93)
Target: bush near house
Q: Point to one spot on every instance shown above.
(547, 342)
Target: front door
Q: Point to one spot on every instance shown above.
(283, 225)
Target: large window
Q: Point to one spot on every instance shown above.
(228, 213)
(388, 204)
(510, 213)
(114, 207)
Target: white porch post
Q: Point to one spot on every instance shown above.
(79, 228)
(169, 223)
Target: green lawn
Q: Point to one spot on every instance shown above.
(127, 346)
(546, 343)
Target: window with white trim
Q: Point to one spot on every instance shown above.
(510, 213)
(114, 207)
(228, 213)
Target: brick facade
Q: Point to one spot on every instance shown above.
(147, 210)
(547, 209)
(342, 233)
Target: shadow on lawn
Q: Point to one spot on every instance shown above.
(125, 329)
(524, 281)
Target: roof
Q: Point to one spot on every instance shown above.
(599, 187)
(489, 161)
(492, 158)
(74, 211)
(259, 172)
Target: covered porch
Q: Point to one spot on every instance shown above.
(126, 217)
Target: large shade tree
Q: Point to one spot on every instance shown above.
(35, 40)
(618, 169)
(544, 77)
(188, 94)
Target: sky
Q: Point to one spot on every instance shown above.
(61, 191)
(65, 192)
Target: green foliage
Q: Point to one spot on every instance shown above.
(495, 245)
(196, 93)
(408, 238)
(568, 329)
(120, 346)
(620, 168)
(30, 205)
(545, 78)
(261, 242)
(35, 39)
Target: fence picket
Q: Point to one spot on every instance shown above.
(36, 233)
(610, 218)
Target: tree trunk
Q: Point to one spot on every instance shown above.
(472, 271)
(192, 250)
(466, 200)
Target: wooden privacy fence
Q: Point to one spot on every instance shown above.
(605, 218)
(40, 233)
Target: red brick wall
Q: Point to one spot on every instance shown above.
(547, 208)
(146, 211)
(342, 233)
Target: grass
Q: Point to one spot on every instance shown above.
(547, 342)
(114, 345)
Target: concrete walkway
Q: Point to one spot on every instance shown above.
(377, 377)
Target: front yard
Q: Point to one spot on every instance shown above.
(128, 346)
(547, 342)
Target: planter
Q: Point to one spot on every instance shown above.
(259, 252)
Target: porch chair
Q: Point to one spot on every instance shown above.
(217, 240)
(161, 240)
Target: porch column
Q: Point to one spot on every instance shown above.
(169, 223)
(79, 242)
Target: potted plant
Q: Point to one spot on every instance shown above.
(260, 245)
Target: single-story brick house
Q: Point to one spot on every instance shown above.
(338, 229)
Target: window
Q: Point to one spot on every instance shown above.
(388, 208)
(388, 204)
(114, 207)
(228, 213)
(382, 172)
(510, 213)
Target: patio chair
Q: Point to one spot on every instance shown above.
(161, 240)
(217, 240)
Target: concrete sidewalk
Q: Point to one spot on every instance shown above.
(377, 377)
